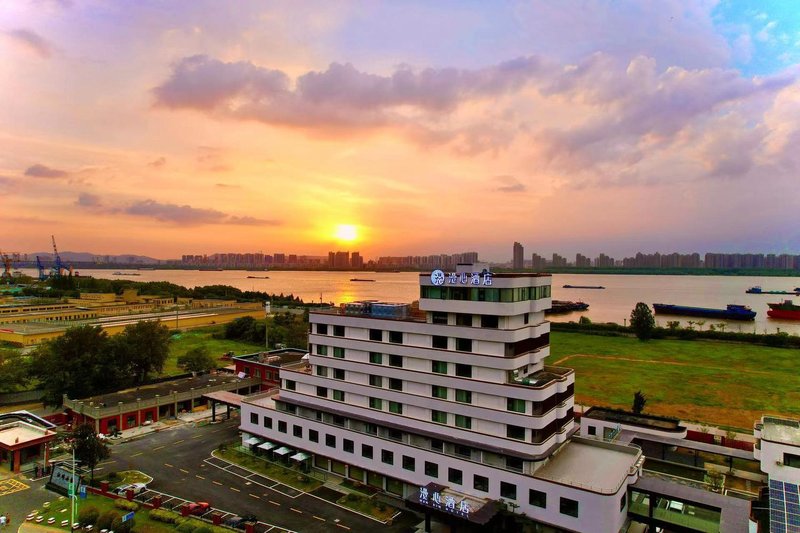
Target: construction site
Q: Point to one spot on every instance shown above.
(28, 320)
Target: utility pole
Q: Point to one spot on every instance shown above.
(267, 309)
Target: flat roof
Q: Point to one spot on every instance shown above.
(649, 421)
(165, 388)
(591, 465)
(285, 356)
(18, 433)
(782, 430)
(226, 397)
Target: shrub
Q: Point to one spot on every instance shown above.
(125, 504)
(160, 515)
(106, 519)
(186, 527)
(112, 476)
(88, 515)
(118, 526)
(203, 529)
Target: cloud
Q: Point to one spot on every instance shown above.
(42, 171)
(188, 215)
(765, 34)
(509, 184)
(157, 163)
(86, 199)
(32, 42)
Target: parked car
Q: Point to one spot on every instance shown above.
(137, 488)
(238, 522)
(198, 508)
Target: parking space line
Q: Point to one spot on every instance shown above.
(234, 488)
(199, 477)
(184, 471)
(169, 465)
(197, 436)
(216, 482)
(343, 527)
(159, 447)
(298, 511)
(137, 454)
(179, 441)
(254, 496)
(318, 518)
(274, 503)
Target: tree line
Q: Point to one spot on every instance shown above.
(286, 329)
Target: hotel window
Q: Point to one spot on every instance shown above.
(254, 418)
(338, 373)
(439, 392)
(289, 385)
(338, 352)
(338, 395)
(330, 441)
(462, 451)
(366, 451)
(282, 426)
(791, 460)
(396, 337)
(395, 384)
(338, 331)
(387, 457)
(338, 420)
(376, 403)
(440, 417)
(464, 345)
(463, 396)
(267, 422)
(513, 404)
(348, 445)
(409, 463)
(322, 371)
(455, 476)
(526, 318)
(480, 483)
(463, 320)
(431, 469)
(569, 507)
(394, 434)
(297, 431)
(322, 329)
(537, 498)
(463, 371)
(515, 432)
(372, 429)
(322, 392)
(437, 445)
(463, 422)
(376, 358)
(396, 408)
(592, 430)
(623, 501)
(322, 349)
(375, 335)
(396, 360)
(376, 381)
(437, 341)
(508, 490)
(439, 367)
(514, 463)
(490, 321)
(439, 318)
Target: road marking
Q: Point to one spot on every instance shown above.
(343, 527)
(274, 503)
(216, 482)
(318, 518)
(184, 471)
(199, 477)
(298, 511)
(159, 447)
(169, 465)
(254, 496)
(234, 488)
(197, 436)
(9, 486)
(137, 454)
(179, 441)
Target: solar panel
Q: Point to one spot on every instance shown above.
(784, 507)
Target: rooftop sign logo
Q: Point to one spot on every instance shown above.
(438, 278)
(447, 503)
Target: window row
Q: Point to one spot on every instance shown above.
(520, 294)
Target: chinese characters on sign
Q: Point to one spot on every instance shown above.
(435, 500)
(438, 277)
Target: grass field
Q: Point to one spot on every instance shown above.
(187, 340)
(727, 384)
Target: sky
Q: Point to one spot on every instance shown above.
(165, 128)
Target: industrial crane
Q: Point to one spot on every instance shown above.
(40, 266)
(7, 262)
(58, 265)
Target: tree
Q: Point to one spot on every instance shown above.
(89, 449)
(14, 370)
(639, 400)
(643, 323)
(145, 348)
(196, 360)
(673, 325)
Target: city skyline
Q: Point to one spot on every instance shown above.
(161, 129)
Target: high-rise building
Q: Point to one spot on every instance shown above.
(519, 257)
(581, 261)
(356, 261)
(449, 406)
(538, 263)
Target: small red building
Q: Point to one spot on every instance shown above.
(24, 440)
(265, 366)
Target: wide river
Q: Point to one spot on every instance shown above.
(612, 304)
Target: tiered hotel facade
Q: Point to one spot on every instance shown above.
(449, 405)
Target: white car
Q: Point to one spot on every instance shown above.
(137, 488)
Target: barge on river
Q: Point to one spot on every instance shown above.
(731, 312)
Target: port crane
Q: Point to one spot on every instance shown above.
(58, 266)
(40, 267)
(7, 262)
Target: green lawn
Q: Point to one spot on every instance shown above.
(718, 382)
(288, 476)
(187, 340)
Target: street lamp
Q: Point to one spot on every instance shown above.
(267, 309)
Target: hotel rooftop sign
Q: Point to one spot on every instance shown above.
(438, 278)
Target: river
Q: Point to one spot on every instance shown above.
(612, 304)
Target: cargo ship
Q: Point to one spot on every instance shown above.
(786, 310)
(759, 290)
(361, 279)
(564, 306)
(731, 312)
(583, 287)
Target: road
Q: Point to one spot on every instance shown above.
(179, 459)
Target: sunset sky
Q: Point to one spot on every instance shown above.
(165, 128)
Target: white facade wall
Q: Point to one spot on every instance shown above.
(772, 461)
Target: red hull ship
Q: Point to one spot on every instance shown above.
(785, 310)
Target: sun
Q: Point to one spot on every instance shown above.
(346, 232)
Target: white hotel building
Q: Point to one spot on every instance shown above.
(449, 406)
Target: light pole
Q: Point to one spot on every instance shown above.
(267, 309)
